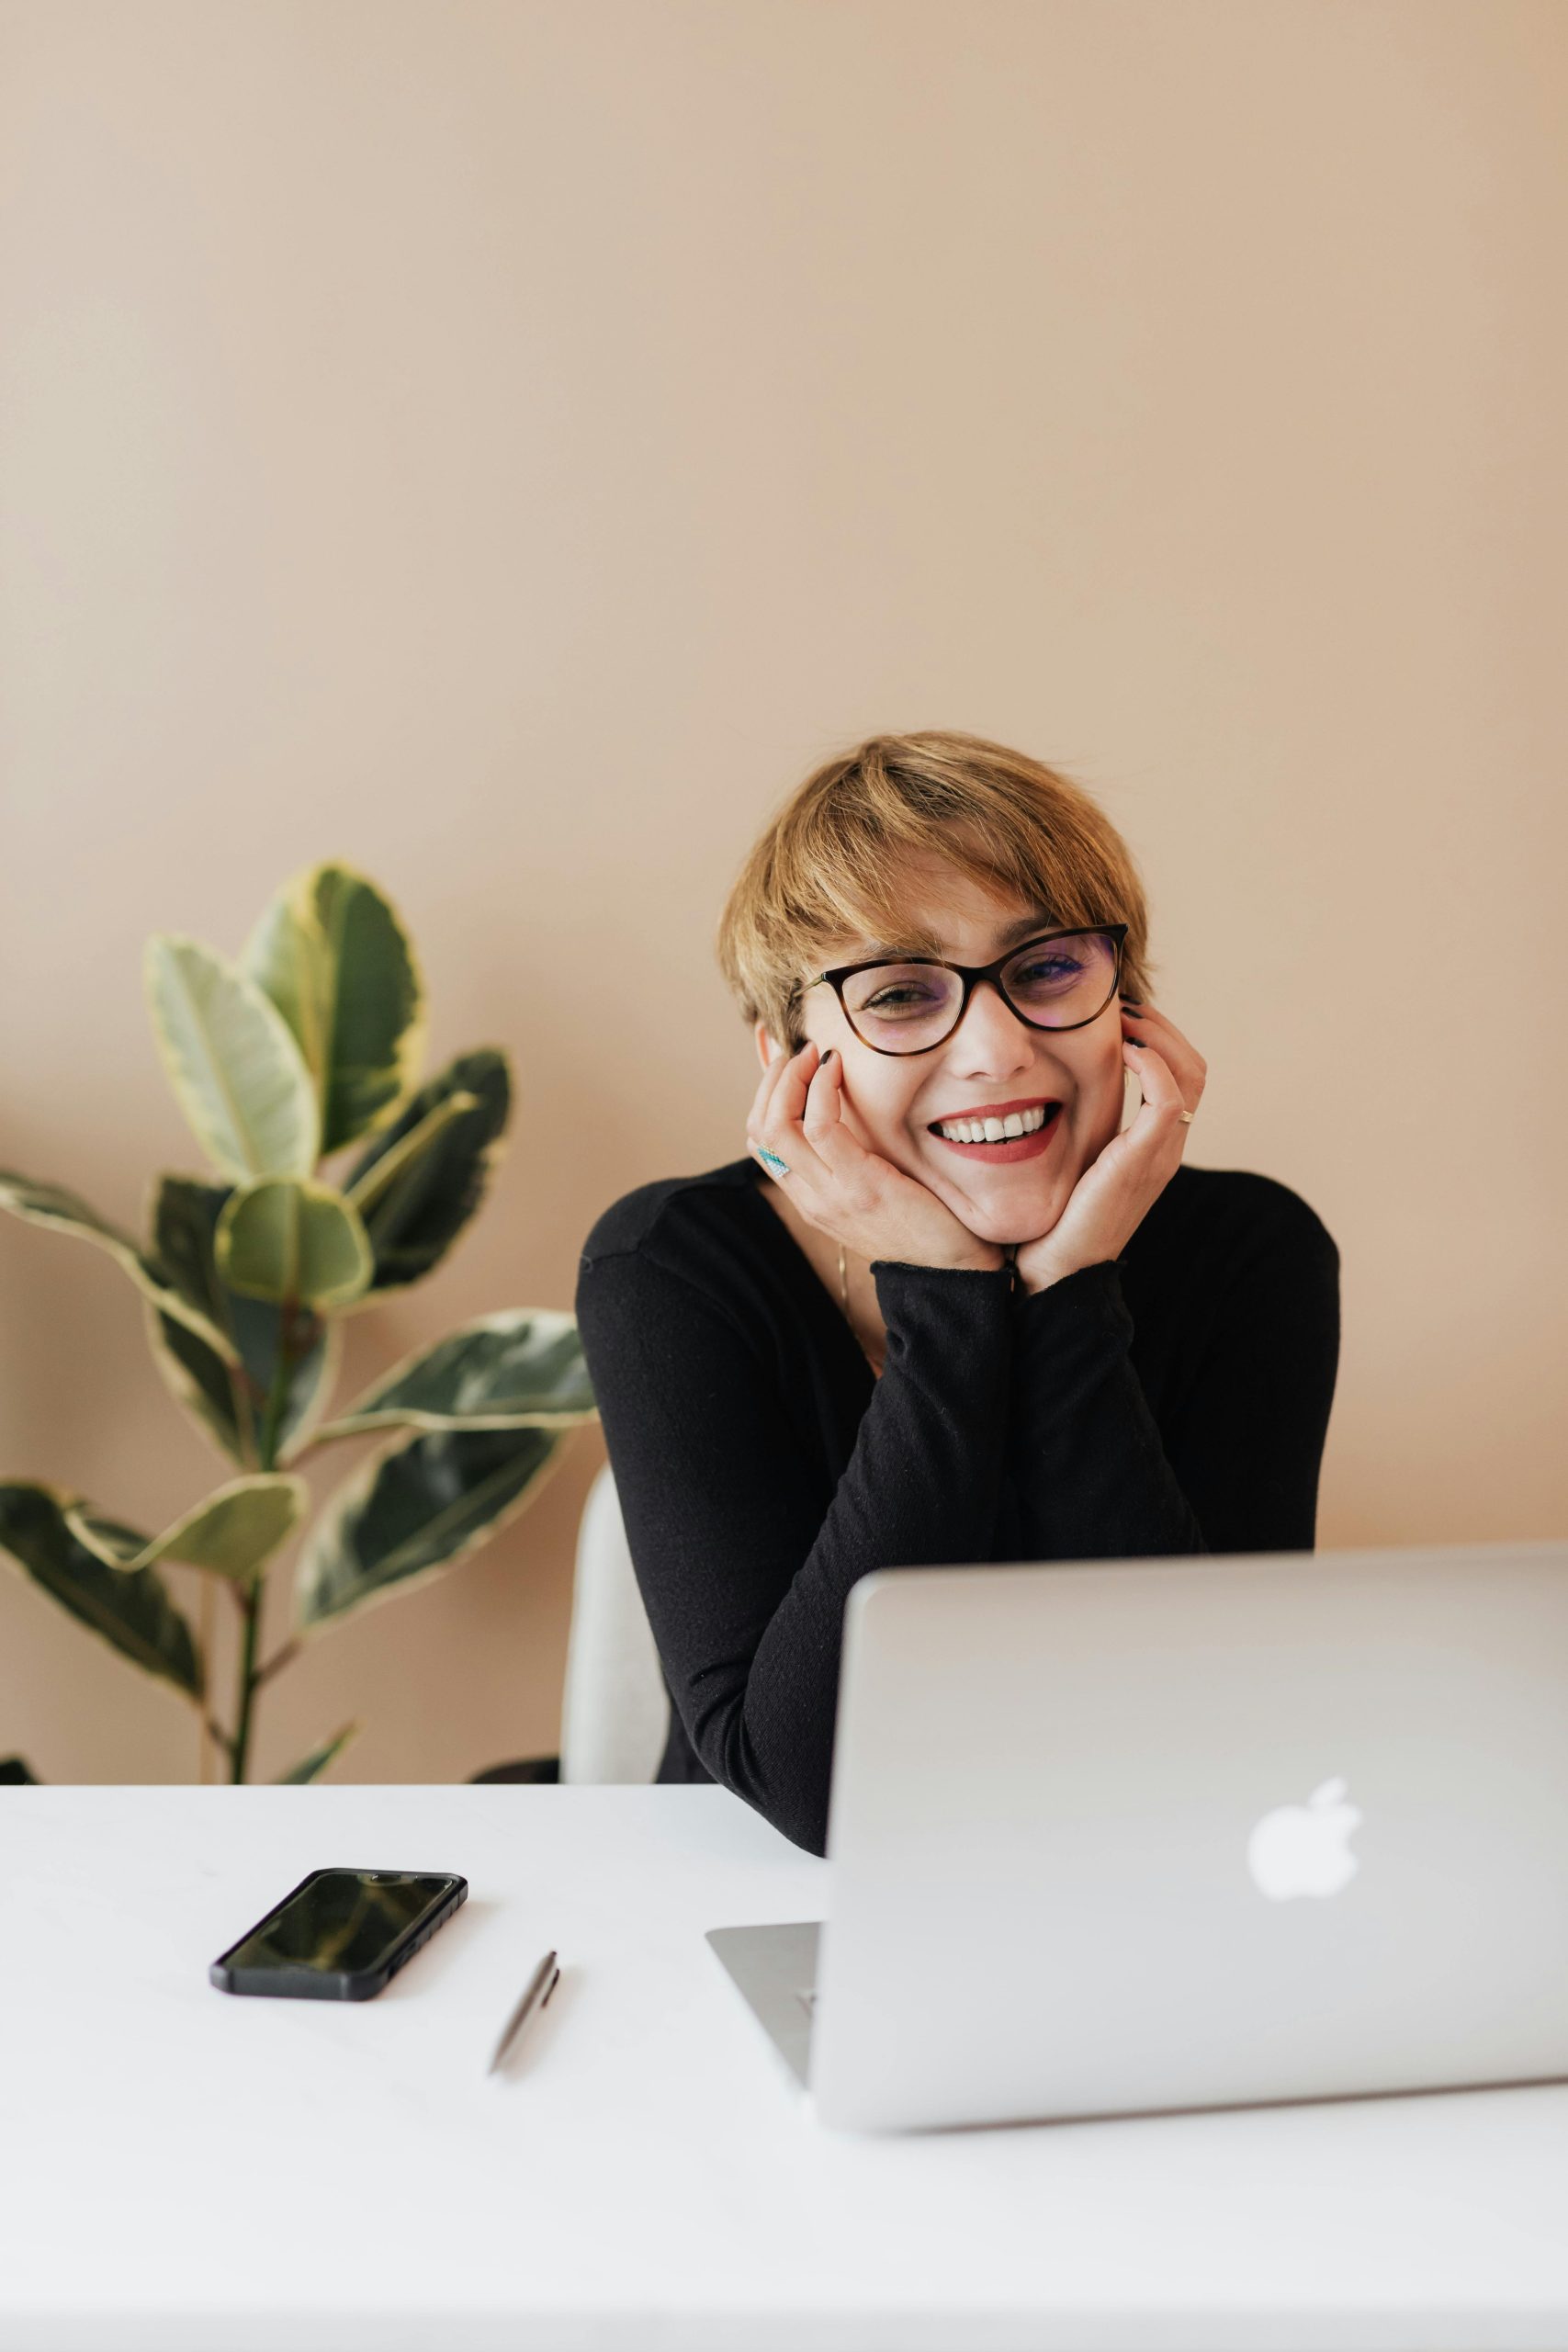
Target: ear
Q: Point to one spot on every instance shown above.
(767, 1048)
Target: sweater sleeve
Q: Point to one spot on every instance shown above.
(1247, 1445)
(1089, 1475)
(743, 1575)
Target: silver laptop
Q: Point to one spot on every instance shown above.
(1117, 1836)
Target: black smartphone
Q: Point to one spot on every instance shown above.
(339, 1935)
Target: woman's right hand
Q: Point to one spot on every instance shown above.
(854, 1194)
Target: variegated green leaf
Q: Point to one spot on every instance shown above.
(413, 1223)
(380, 1176)
(234, 1531)
(182, 1213)
(278, 1240)
(336, 960)
(415, 1510)
(288, 958)
(520, 1367)
(131, 1610)
(311, 1766)
(315, 1351)
(200, 1382)
(52, 1204)
(230, 1401)
(232, 1062)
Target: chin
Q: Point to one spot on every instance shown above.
(1007, 1217)
(1004, 1229)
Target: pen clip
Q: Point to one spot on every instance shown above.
(526, 2007)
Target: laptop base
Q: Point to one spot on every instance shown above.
(775, 1970)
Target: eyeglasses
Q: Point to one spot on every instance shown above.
(1060, 980)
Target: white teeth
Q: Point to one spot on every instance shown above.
(1017, 1123)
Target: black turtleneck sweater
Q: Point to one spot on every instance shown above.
(1173, 1399)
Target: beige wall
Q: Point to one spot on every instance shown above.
(504, 446)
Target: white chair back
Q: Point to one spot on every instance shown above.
(614, 1710)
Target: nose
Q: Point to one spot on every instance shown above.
(993, 1033)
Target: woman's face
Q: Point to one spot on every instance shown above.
(890, 1101)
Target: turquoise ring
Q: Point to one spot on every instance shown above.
(779, 1167)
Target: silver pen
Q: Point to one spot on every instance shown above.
(541, 1978)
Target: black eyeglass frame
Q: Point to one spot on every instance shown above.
(972, 975)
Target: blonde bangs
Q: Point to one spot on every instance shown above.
(833, 864)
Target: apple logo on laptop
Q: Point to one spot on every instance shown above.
(1302, 1848)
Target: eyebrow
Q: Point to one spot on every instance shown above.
(1022, 928)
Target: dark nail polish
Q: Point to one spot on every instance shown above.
(828, 1055)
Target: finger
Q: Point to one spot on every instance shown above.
(821, 1115)
(1142, 1054)
(774, 1079)
(1139, 1014)
(1152, 1014)
(763, 1095)
(1162, 1096)
(789, 1097)
(780, 1127)
(822, 1141)
(760, 1117)
(839, 1151)
(1178, 1051)
(778, 1071)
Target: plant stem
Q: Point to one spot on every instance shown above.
(279, 1657)
(277, 1397)
(250, 1600)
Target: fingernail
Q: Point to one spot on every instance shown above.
(1134, 1041)
(828, 1055)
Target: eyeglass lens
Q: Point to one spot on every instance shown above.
(1053, 984)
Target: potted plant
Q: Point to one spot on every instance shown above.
(309, 1044)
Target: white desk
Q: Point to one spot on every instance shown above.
(180, 2169)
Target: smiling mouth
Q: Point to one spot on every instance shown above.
(998, 1115)
(999, 1151)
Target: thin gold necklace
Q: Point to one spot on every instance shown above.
(844, 1303)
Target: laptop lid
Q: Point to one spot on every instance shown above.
(1118, 1836)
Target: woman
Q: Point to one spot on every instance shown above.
(890, 1336)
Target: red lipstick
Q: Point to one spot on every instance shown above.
(1027, 1146)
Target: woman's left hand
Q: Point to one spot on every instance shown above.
(1116, 1192)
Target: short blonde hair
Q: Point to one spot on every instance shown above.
(827, 865)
